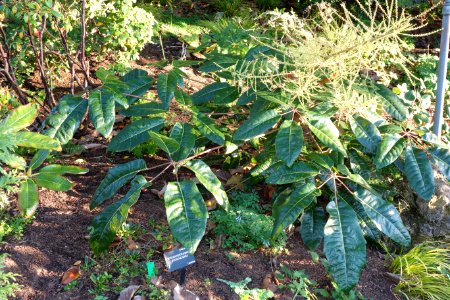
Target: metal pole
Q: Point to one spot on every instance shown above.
(442, 71)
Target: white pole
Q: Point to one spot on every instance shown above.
(442, 71)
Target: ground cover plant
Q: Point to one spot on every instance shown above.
(307, 111)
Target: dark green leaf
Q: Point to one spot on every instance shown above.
(287, 208)
(218, 62)
(66, 118)
(116, 177)
(311, 229)
(389, 150)
(344, 245)
(385, 216)
(134, 134)
(209, 129)
(298, 172)
(138, 83)
(289, 142)
(166, 86)
(419, 172)
(209, 180)
(166, 144)
(328, 134)
(107, 223)
(102, 110)
(247, 97)
(186, 213)
(220, 92)
(392, 103)
(184, 135)
(256, 125)
(145, 109)
(366, 133)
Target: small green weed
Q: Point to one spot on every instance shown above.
(246, 227)
(12, 225)
(101, 283)
(245, 293)
(8, 286)
(299, 283)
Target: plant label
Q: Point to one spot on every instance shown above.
(178, 259)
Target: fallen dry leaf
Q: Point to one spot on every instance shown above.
(131, 244)
(128, 293)
(77, 263)
(138, 298)
(267, 280)
(157, 282)
(70, 275)
(181, 293)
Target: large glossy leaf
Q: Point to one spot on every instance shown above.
(256, 125)
(66, 118)
(134, 134)
(145, 109)
(116, 177)
(19, 118)
(287, 208)
(389, 150)
(184, 135)
(366, 133)
(209, 129)
(186, 213)
(182, 97)
(107, 223)
(344, 245)
(311, 229)
(289, 142)
(247, 97)
(166, 144)
(321, 160)
(368, 227)
(28, 198)
(392, 103)
(102, 110)
(442, 158)
(220, 92)
(328, 134)
(385, 216)
(284, 174)
(166, 85)
(53, 182)
(138, 83)
(209, 180)
(419, 172)
(60, 170)
(35, 140)
(218, 62)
